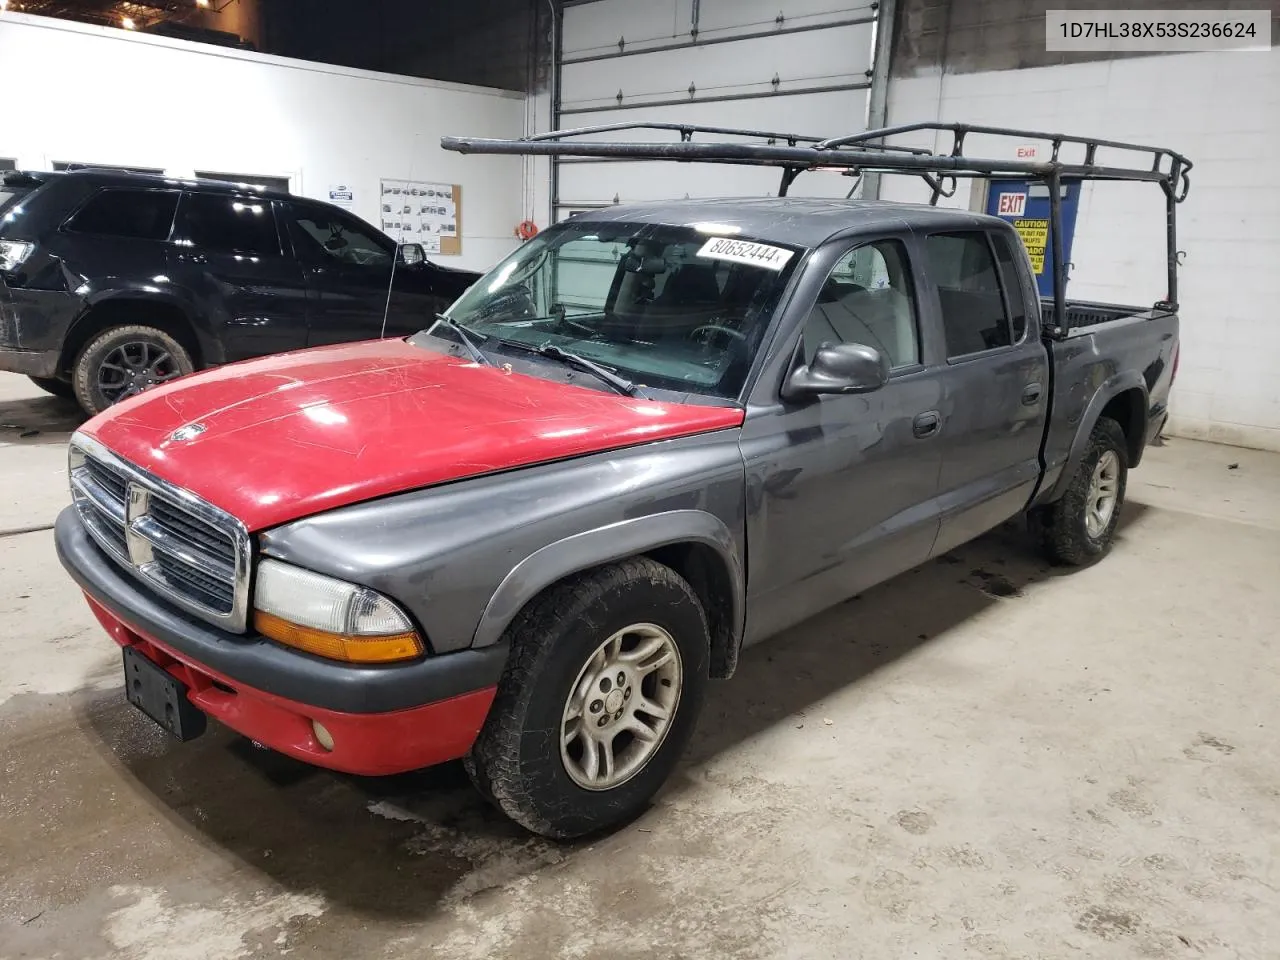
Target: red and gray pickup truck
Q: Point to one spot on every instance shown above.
(528, 535)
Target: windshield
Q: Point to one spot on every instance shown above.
(669, 307)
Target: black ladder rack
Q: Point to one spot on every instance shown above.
(867, 152)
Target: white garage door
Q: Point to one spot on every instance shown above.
(789, 66)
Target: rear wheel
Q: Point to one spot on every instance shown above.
(1081, 526)
(123, 361)
(59, 388)
(605, 681)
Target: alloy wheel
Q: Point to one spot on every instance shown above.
(620, 707)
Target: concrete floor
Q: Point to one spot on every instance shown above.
(984, 757)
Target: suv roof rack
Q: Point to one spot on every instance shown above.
(27, 178)
(867, 152)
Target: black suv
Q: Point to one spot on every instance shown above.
(113, 281)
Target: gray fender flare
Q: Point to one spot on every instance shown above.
(616, 541)
(1110, 389)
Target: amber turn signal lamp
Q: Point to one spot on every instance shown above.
(331, 618)
(336, 646)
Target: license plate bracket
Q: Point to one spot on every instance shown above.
(161, 696)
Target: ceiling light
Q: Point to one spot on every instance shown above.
(202, 3)
(127, 23)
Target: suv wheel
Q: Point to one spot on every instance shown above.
(59, 388)
(605, 681)
(123, 361)
(1081, 526)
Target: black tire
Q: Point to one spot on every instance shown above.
(1061, 527)
(136, 340)
(516, 761)
(59, 388)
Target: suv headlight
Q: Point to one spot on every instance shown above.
(330, 618)
(13, 252)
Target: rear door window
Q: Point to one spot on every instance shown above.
(217, 223)
(974, 317)
(1015, 290)
(121, 212)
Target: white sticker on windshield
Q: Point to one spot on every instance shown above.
(744, 251)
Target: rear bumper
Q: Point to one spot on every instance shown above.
(383, 720)
(19, 353)
(32, 363)
(1155, 423)
(33, 326)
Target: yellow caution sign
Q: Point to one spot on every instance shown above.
(1035, 237)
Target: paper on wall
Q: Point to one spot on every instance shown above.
(415, 211)
(341, 195)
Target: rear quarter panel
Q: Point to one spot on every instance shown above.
(37, 304)
(1093, 366)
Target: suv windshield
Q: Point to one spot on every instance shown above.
(672, 307)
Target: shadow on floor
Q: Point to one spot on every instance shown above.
(394, 847)
(834, 650)
(39, 419)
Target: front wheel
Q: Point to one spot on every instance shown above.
(606, 678)
(1081, 526)
(121, 362)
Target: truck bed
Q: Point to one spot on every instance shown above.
(1109, 351)
(1086, 313)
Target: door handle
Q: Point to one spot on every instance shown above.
(926, 425)
(1031, 394)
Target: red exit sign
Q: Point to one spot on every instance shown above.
(1026, 152)
(1011, 204)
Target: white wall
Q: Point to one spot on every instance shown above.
(102, 95)
(1222, 111)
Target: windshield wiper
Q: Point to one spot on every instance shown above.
(621, 384)
(548, 350)
(465, 334)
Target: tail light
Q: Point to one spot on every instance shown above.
(13, 252)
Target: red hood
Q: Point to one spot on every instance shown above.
(299, 433)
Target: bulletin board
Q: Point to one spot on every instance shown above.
(418, 211)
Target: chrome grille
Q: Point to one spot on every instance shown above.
(111, 482)
(189, 551)
(176, 522)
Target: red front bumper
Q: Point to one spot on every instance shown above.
(371, 744)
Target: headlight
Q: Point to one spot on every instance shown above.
(13, 252)
(330, 618)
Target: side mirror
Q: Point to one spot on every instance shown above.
(411, 253)
(839, 368)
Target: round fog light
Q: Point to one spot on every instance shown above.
(323, 736)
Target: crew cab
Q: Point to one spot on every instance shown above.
(112, 282)
(529, 534)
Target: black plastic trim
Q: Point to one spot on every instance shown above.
(33, 363)
(263, 664)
